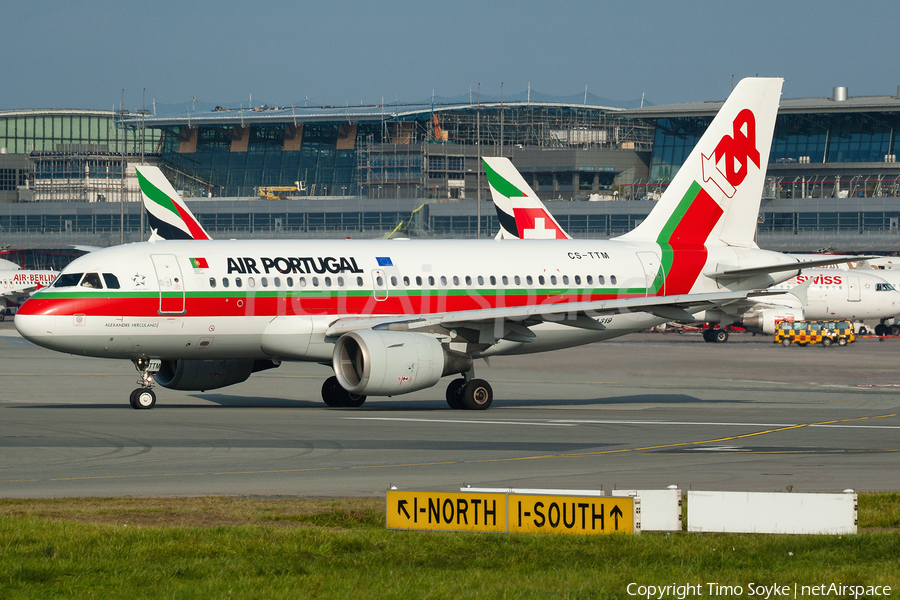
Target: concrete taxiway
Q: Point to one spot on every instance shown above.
(647, 410)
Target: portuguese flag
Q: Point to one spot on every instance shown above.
(199, 263)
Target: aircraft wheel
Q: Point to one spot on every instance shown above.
(455, 393)
(3, 315)
(842, 342)
(881, 329)
(142, 399)
(331, 392)
(707, 335)
(895, 329)
(353, 400)
(826, 342)
(786, 342)
(721, 336)
(477, 395)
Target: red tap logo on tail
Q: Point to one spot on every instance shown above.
(733, 153)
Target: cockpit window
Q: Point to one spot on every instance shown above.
(112, 282)
(91, 280)
(67, 280)
(884, 287)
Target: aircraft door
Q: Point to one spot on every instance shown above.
(654, 274)
(171, 284)
(379, 285)
(853, 288)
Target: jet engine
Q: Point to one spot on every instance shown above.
(387, 363)
(202, 375)
(764, 320)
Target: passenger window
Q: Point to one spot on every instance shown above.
(480, 280)
(565, 280)
(112, 282)
(443, 280)
(359, 281)
(419, 280)
(91, 280)
(237, 282)
(431, 280)
(578, 280)
(601, 280)
(529, 280)
(68, 280)
(553, 280)
(541, 279)
(302, 282)
(493, 280)
(340, 281)
(468, 280)
(406, 281)
(590, 280)
(393, 281)
(251, 282)
(224, 282)
(328, 282)
(517, 280)
(277, 282)
(212, 282)
(612, 279)
(290, 282)
(264, 281)
(505, 280)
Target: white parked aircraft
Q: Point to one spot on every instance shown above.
(17, 285)
(393, 317)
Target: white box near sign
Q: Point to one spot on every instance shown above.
(776, 512)
(660, 509)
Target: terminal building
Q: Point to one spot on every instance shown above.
(67, 176)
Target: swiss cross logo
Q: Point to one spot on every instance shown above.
(732, 155)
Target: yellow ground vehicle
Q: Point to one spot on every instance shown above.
(814, 332)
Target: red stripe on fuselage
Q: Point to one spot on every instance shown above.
(268, 306)
(688, 243)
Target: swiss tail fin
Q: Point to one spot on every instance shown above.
(714, 198)
(169, 217)
(521, 213)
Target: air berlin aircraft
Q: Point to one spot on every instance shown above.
(395, 316)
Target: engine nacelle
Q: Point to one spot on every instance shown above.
(202, 375)
(387, 363)
(764, 320)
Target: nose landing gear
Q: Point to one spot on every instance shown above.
(144, 398)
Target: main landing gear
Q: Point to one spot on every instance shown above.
(717, 336)
(471, 394)
(143, 398)
(336, 396)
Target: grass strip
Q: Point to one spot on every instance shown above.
(215, 547)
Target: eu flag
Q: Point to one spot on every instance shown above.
(384, 261)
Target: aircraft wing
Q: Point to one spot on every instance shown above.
(575, 314)
(782, 267)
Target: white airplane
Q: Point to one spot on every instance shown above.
(17, 285)
(394, 316)
(827, 296)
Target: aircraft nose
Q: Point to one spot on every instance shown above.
(37, 329)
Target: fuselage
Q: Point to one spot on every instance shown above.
(230, 299)
(16, 285)
(837, 294)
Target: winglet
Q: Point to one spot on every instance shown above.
(169, 216)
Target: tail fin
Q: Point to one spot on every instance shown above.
(521, 213)
(170, 218)
(714, 198)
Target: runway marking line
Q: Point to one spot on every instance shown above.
(487, 460)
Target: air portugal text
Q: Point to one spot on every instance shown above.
(246, 265)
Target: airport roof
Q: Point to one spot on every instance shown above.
(787, 106)
(331, 114)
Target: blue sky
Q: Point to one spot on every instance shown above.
(82, 54)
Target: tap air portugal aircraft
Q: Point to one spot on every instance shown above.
(395, 316)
